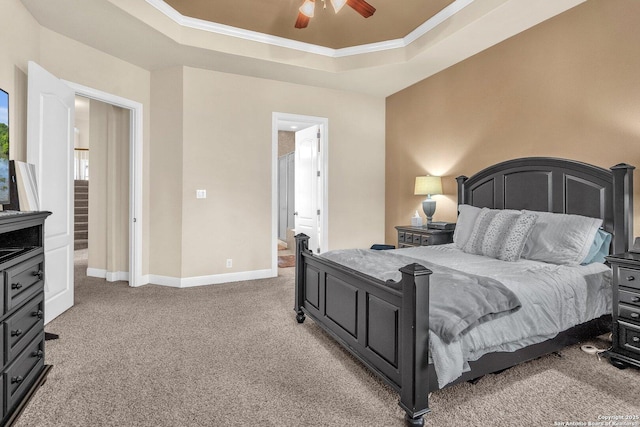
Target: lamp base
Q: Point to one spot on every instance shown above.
(429, 208)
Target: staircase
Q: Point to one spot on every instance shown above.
(81, 214)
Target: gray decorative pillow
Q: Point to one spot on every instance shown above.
(467, 215)
(500, 234)
(561, 238)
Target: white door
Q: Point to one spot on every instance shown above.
(50, 121)
(307, 181)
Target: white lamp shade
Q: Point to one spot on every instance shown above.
(428, 185)
(308, 8)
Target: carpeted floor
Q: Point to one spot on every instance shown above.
(233, 355)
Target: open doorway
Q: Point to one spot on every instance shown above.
(101, 183)
(300, 184)
(132, 168)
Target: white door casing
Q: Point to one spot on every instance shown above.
(50, 136)
(307, 181)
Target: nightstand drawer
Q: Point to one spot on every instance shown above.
(408, 237)
(629, 312)
(629, 277)
(416, 239)
(629, 297)
(425, 240)
(629, 337)
(401, 236)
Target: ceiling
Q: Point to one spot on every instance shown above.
(393, 19)
(376, 56)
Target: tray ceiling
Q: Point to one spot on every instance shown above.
(392, 20)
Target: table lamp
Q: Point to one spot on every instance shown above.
(428, 185)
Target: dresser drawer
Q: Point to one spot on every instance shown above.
(416, 239)
(627, 297)
(629, 337)
(23, 326)
(22, 280)
(425, 241)
(408, 238)
(401, 235)
(629, 277)
(23, 371)
(629, 312)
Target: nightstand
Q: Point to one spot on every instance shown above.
(422, 236)
(625, 348)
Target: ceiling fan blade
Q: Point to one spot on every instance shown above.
(302, 21)
(362, 7)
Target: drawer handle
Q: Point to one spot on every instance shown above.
(38, 354)
(38, 273)
(635, 339)
(635, 299)
(16, 333)
(16, 380)
(37, 314)
(635, 315)
(16, 285)
(630, 278)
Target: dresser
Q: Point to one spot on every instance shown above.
(422, 236)
(625, 348)
(22, 307)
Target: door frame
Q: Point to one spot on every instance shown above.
(135, 174)
(323, 123)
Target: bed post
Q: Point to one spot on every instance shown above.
(302, 243)
(461, 196)
(414, 343)
(622, 207)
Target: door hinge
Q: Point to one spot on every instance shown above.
(318, 173)
(318, 211)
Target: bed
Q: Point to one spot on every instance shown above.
(386, 323)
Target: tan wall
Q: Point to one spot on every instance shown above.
(166, 172)
(565, 88)
(227, 150)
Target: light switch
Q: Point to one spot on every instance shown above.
(201, 194)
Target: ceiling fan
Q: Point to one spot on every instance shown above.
(305, 13)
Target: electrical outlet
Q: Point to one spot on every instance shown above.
(229, 263)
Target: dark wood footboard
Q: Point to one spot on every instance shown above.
(384, 325)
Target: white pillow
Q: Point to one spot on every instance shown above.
(467, 215)
(500, 234)
(561, 238)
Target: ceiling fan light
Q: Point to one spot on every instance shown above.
(308, 8)
(338, 4)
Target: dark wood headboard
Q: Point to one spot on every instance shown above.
(557, 185)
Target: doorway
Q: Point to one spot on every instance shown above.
(134, 167)
(101, 182)
(299, 164)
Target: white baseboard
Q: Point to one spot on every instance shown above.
(110, 276)
(184, 282)
(215, 279)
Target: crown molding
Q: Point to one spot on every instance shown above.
(227, 30)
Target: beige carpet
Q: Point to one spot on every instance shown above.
(233, 355)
